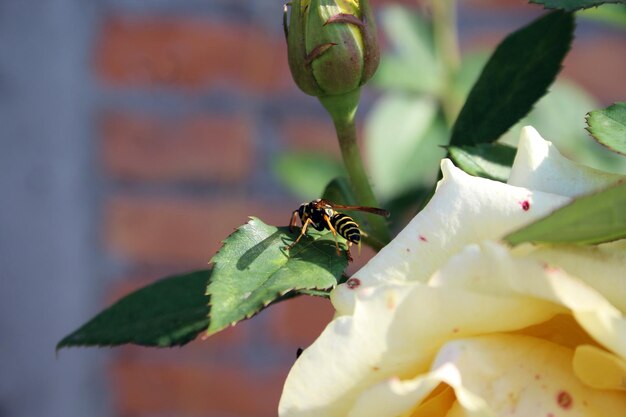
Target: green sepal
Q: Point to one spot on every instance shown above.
(340, 68)
(371, 50)
(297, 51)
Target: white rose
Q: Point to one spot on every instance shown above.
(449, 321)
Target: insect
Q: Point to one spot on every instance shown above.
(321, 214)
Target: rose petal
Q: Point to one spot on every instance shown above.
(395, 331)
(395, 397)
(491, 268)
(562, 329)
(602, 267)
(539, 166)
(501, 375)
(599, 369)
(524, 376)
(437, 403)
(464, 209)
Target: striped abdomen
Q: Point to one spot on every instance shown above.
(346, 227)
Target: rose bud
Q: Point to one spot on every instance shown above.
(332, 45)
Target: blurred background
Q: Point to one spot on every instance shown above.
(136, 135)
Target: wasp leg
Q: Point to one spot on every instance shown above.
(302, 232)
(332, 229)
(294, 220)
(348, 252)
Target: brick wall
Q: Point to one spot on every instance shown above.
(195, 98)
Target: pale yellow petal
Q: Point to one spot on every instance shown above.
(599, 369)
(602, 267)
(562, 329)
(539, 166)
(394, 397)
(491, 268)
(395, 331)
(498, 375)
(464, 210)
(437, 404)
(524, 376)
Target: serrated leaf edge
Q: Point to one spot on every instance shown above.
(575, 9)
(589, 128)
(302, 247)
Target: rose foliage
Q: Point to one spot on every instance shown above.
(447, 320)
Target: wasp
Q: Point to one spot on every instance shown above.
(322, 214)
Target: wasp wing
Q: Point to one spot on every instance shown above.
(373, 210)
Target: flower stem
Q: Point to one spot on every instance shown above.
(343, 109)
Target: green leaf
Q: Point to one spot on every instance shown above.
(515, 77)
(464, 79)
(592, 219)
(306, 174)
(339, 191)
(572, 5)
(412, 64)
(402, 134)
(254, 269)
(559, 117)
(608, 127)
(169, 312)
(487, 160)
(405, 206)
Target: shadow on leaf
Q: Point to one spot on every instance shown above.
(257, 250)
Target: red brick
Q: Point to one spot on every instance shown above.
(197, 148)
(310, 134)
(179, 231)
(411, 3)
(359, 259)
(599, 66)
(148, 389)
(503, 4)
(300, 321)
(190, 53)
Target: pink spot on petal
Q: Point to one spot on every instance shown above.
(353, 283)
(564, 400)
(549, 268)
(550, 415)
(423, 239)
(525, 205)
